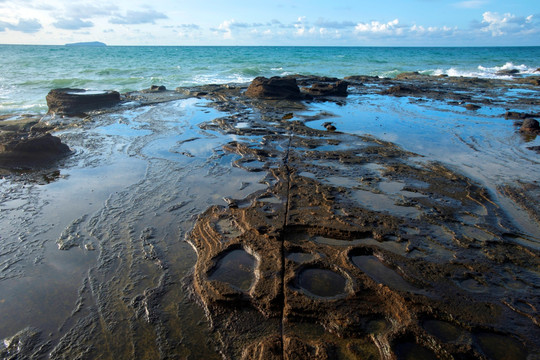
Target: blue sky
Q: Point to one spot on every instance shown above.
(255, 22)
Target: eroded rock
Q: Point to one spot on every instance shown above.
(275, 88)
(30, 149)
(338, 88)
(78, 101)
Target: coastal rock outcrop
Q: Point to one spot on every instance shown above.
(77, 101)
(275, 88)
(30, 150)
(338, 88)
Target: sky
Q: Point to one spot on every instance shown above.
(273, 23)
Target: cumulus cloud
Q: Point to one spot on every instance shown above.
(72, 24)
(504, 24)
(138, 17)
(28, 26)
(375, 27)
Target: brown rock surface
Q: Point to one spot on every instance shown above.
(338, 88)
(30, 150)
(78, 101)
(312, 267)
(275, 88)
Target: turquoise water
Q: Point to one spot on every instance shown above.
(29, 72)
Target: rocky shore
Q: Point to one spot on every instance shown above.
(354, 248)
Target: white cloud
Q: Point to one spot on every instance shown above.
(375, 27)
(28, 26)
(507, 24)
(72, 24)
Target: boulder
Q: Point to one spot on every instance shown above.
(158, 88)
(30, 150)
(530, 125)
(275, 88)
(338, 88)
(78, 101)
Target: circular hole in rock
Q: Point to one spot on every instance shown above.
(322, 282)
(442, 330)
(413, 351)
(235, 268)
(499, 347)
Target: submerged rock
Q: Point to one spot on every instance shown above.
(78, 101)
(275, 88)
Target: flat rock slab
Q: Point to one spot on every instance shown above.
(78, 101)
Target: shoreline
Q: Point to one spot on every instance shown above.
(414, 255)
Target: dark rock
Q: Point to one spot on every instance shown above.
(532, 80)
(472, 107)
(534, 148)
(329, 126)
(78, 101)
(402, 90)
(530, 125)
(362, 78)
(30, 150)
(275, 88)
(515, 115)
(338, 88)
(158, 88)
(511, 72)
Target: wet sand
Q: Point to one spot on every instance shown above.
(200, 223)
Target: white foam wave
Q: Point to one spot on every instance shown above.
(494, 72)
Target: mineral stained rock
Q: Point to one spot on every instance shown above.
(78, 101)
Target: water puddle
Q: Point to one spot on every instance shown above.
(375, 269)
(236, 268)
(473, 286)
(443, 330)
(322, 282)
(413, 351)
(383, 203)
(500, 347)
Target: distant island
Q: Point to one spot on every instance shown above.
(91, 43)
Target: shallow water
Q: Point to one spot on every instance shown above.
(141, 177)
(485, 147)
(122, 205)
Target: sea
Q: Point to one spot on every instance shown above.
(29, 72)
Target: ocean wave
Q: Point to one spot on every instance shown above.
(494, 72)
